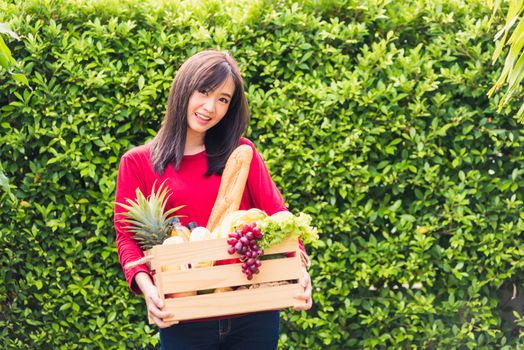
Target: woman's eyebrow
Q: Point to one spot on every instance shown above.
(226, 94)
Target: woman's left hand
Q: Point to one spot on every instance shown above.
(305, 296)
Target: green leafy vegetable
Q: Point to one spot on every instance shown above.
(284, 224)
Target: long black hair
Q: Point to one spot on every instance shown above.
(204, 71)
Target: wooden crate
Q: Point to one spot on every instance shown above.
(277, 269)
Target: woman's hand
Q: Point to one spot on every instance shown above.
(304, 296)
(153, 301)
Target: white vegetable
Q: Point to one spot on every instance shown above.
(199, 234)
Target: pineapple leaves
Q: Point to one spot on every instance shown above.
(147, 217)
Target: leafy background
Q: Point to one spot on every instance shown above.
(372, 117)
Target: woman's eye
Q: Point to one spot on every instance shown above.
(203, 91)
(224, 100)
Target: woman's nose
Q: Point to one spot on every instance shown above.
(209, 104)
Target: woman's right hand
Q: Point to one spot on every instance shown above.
(153, 301)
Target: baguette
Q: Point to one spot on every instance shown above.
(232, 185)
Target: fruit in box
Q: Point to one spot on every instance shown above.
(236, 219)
(149, 222)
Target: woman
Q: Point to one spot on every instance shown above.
(207, 114)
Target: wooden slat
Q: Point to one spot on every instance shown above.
(158, 281)
(156, 267)
(210, 250)
(235, 302)
(229, 275)
(288, 245)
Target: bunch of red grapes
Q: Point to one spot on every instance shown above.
(244, 242)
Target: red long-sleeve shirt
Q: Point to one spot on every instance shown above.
(188, 186)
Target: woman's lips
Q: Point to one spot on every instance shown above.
(201, 118)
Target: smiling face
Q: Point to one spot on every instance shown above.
(207, 108)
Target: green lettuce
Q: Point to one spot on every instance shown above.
(279, 226)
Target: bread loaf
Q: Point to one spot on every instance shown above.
(232, 185)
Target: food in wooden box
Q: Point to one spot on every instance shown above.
(232, 185)
(147, 218)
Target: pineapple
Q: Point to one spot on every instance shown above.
(149, 222)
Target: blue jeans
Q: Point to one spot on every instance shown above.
(257, 331)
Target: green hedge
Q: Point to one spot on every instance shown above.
(372, 116)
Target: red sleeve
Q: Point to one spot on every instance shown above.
(261, 188)
(262, 191)
(128, 250)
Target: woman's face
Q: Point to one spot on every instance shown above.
(207, 108)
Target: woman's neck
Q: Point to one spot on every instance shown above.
(194, 144)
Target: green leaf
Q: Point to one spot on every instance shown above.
(5, 55)
(4, 59)
(4, 182)
(20, 78)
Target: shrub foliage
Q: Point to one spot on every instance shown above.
(372, 116)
